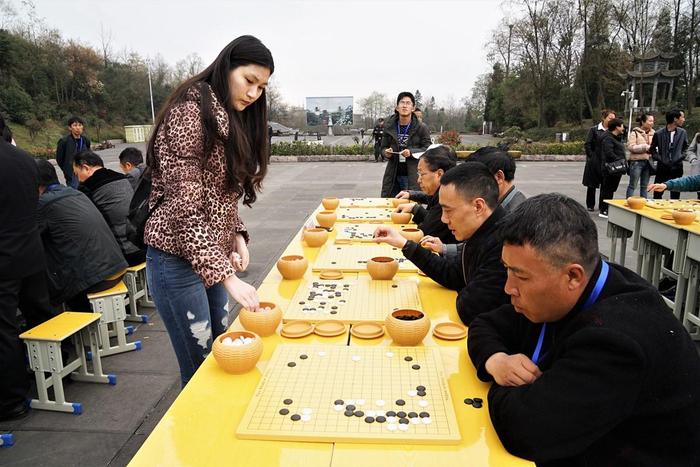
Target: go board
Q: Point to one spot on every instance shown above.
(674, 204)
(353, 257)
(332, 393)
(360, 232)
(352, 301)
(365, 202)
(379, 215)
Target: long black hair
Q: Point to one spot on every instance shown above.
(247, 146)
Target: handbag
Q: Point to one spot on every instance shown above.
(618, 166)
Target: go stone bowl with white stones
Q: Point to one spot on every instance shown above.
(263, 322)
(237, 351)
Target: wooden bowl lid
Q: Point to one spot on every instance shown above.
(331, 275)
(367, 330)
(450, 331)
(295, 329)
(329, 328)
(667, 217)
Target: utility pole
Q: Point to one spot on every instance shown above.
(150, 90)
(510, 36)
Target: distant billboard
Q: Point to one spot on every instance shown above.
(322, 110)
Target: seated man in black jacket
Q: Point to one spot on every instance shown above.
(81, 252)
(589, 365)
(469, 201)
(431, 167)
(111, 192)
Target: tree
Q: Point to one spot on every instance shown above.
(662, 35)
(419, 98)
(374, 106)
(188, 67)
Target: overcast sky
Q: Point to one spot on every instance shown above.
(321, 48)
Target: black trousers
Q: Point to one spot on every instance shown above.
(607, 190)
(29, 294)
(664, 174)
(590, 197)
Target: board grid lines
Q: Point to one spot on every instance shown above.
(365, 202)
(330, 373)
(355, 215)
(360, 300)
(362, 232)
(353, 257)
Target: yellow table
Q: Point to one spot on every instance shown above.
(199, 427)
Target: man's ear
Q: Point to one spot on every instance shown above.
(576, 276)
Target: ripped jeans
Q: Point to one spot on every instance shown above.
(191, 313)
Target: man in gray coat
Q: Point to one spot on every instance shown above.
(668, 147)
(111, 192)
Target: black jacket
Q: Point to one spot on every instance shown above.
(66, 149)
(111, 192)
(21, 254)
(478, 275)
(418, 141)
(592, 174)
(620, 383)
(80, 248)
(611, 149)
(662, 151)
(428, 218)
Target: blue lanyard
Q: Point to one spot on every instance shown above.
(589, 302)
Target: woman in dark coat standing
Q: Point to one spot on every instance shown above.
(612, 149)
(592, 175)
(403, 136)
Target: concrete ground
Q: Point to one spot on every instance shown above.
(117, 419)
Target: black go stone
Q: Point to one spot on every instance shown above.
(339, 402)
(421, 393)
(468, 401)
(350, 407)
(403, 420)
(408, 358)
(401, 414)
(291, 364)
(477, 405)
(420, 388)
(391, 413)
(303, 356)
(380, 419)
(412, 415)
(349, 413)
(287, 401)
(334, 312)
(296, 417)
(478, 399)
(369, 419)
(424, 415)
(284, 411)
(359, 413)
(416, 367)
(394, 286)
(400, 402)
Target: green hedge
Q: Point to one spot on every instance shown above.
(299, 148)
(567, 148)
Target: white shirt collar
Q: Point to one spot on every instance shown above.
(601, 127)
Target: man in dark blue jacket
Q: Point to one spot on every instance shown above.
(70, 145)
(668, 148)
(588, 364)
(22, 272)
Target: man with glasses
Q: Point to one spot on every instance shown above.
(404, 136)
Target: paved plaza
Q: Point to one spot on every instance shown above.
(117, 419)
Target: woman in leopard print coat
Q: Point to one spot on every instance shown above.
(209, 149)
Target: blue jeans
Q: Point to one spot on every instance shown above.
(192, 314)
(639, 172)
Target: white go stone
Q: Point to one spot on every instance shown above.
(426, 420)
(402, 427)
(415, 421)
(306, 411)
(350, 401)
(391, 419)
(322, 354)
(371, 413)
(227, 341)
(390, 354)
(423, 403)
(391, 427)
(305, 418)
(380, 403)
(356, 358)
(380, 413)
(338, 408)
(412, 393)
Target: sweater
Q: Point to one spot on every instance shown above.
(477, 274)
(688, 183)
(620, 383)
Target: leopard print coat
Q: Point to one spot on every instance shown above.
(198, 218)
